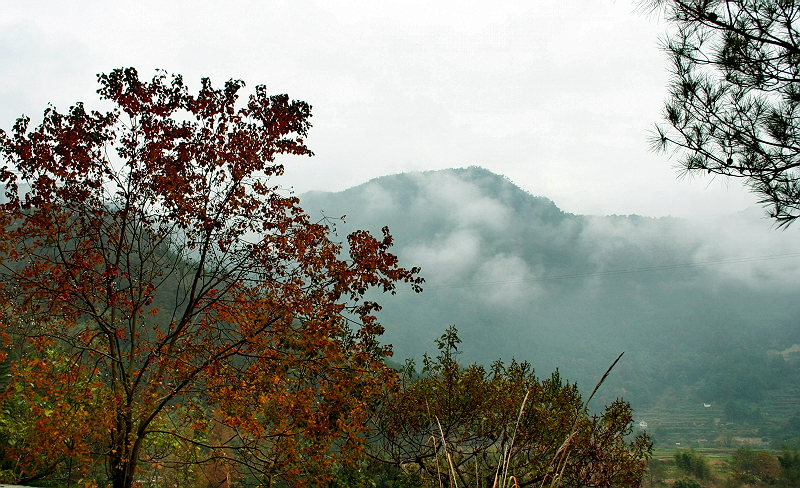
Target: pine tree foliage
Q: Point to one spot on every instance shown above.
(732, 108)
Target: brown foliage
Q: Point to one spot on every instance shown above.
(465, 426)
(156, 282)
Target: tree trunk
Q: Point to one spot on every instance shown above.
(124, 452)
(122, 471)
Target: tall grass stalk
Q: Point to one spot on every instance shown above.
(506, 459)
(436, 457)
(563, 451)
(447, 455)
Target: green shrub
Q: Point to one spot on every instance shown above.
(687, 483)
(693, 464)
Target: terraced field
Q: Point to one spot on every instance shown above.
(694, 425)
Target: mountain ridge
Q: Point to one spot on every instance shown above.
(521, 278)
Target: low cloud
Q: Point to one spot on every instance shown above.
(747, 248)
(464, 201)
(507, 281)
(446, 259)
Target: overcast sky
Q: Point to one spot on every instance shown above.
(560, 96)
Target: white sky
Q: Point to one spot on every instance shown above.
(557, 95)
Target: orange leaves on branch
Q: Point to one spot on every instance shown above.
(149, 245)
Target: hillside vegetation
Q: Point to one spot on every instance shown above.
(706, 312)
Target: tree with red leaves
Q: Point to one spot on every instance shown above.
(163, 304)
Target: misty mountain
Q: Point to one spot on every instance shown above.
(698, 307)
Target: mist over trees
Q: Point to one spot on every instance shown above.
(690, 303)
(169, 315)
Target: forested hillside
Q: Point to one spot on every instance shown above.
(705, 312)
